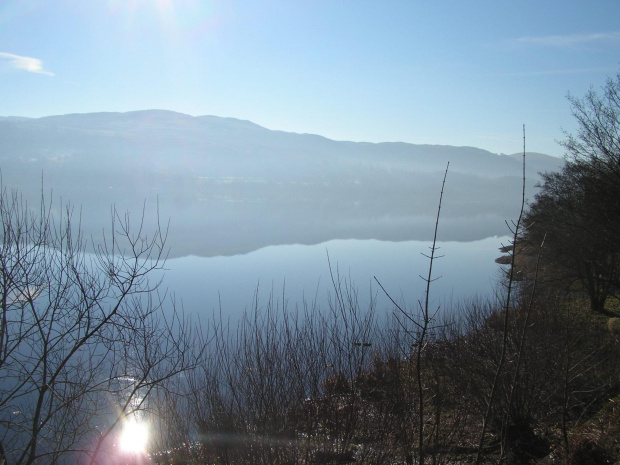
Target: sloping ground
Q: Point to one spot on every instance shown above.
(595, 442)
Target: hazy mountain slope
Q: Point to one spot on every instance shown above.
(231, 186)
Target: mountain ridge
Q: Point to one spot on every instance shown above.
(224, 176)
(97, 117)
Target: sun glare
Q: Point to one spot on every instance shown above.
(134, 437)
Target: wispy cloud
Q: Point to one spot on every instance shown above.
(32, 65)
(570, 40)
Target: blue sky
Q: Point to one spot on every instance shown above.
(426, 72)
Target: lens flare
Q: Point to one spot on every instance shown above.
(134, 437)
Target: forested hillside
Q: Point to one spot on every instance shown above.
(230, 186)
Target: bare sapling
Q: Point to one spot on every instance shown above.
(515, 229)
(422, 322)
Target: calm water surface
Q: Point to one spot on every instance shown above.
(294, 273)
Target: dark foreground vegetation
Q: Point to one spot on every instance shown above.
(531, 376)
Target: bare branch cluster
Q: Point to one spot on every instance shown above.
(83, 339)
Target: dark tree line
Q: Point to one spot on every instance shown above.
(578, 209)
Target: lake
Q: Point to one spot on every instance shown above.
(295, 273)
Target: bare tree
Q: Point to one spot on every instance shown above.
(419, 326)
(515, 229)
(577, 208)
(83, 337)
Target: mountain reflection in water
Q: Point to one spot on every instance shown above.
(296, 273)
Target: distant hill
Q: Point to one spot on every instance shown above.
(13, 118)
(231, 186)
